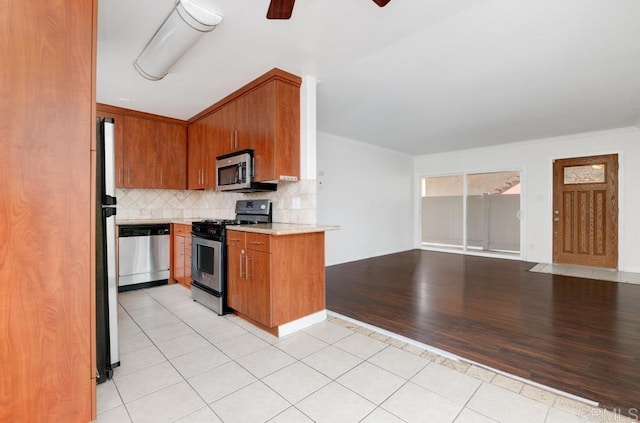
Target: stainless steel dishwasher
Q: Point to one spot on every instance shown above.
(143, 255)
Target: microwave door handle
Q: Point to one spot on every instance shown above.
(239, 175)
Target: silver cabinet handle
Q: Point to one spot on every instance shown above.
(248, 275)
(129, 175)
(256, 242)
(241, 264)
(161, 177)
(231, 134)
(235, 137)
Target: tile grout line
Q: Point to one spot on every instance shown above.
(231, 359)
(334, 319)
(207, 405)
(554, 391)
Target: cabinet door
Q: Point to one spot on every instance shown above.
(171, 156)
(258, 286)
(178, 258)
(245, 106)
(225, 129)
(187, 261)
(209, 137)
(139, 153)
(236, 296)
(194, 155)
(256, 128)
(218, 139)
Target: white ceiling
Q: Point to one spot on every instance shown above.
(418, 76)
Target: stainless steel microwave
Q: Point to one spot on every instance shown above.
(234, 172)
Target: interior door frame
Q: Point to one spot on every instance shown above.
(613, 258)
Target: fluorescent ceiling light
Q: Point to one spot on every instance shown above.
(186, 23)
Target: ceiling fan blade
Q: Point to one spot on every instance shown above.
(280, 9)
(381, 3)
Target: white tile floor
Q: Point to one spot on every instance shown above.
(587, 272)
(183, 363)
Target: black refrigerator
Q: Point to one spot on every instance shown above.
(106, 283)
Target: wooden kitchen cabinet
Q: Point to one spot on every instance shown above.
(150, 150)
(248, 278)
(227, 136)
(275, 279)
(187, 261)
(140, 144)
(264, 116)
(269, 125)
(204, 146)
(181, 254)
(236, 283)
(171, 156)
(196, 140)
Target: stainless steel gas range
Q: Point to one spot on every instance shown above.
(209, 255)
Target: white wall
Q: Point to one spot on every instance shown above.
(369, 192)
(534, 159)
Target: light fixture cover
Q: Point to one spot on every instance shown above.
(186, 23)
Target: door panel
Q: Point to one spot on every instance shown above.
(236, 295)
(585, 216)
(171, 156)
(140, 147)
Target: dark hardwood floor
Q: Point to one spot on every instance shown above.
(581, 336)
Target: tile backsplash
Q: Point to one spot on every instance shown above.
(134, 204)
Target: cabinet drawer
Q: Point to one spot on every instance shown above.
(235, 238)
(179, 229)
(259, 242)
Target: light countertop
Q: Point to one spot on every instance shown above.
(155, 221)
(261, 228)
(282, 228)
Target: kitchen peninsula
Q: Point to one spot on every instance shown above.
(275, 272)
(276, 277)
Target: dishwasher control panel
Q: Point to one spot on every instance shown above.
(144, 230)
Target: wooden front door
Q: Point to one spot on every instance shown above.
(585, 211)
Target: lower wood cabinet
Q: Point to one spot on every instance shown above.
(181, 254)
(275, 279)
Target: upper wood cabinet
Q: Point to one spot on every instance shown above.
(203, 149)
(264, 116)
(140, 145)
(151, 150)
(171, 168)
